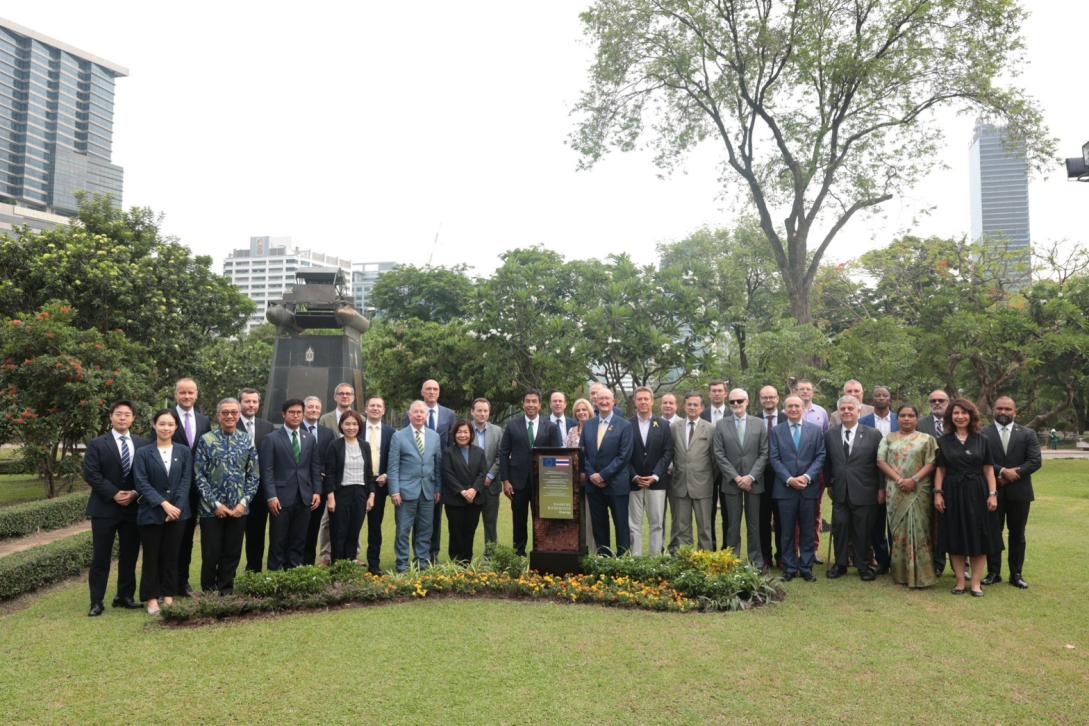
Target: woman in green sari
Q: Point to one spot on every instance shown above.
(906, 458)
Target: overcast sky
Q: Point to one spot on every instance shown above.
(366, 129)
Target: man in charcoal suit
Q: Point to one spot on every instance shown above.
(522, 435)
(249, 399)
(741, 451)
(797, 457)
(651, 456)
(487, 436)
(291, 480)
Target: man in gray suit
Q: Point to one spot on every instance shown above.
(487, 436)
(693, 486)
(856, 485)
(344, 394)
(415, 455)
(741, 450)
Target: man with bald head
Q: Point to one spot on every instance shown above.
(741, 451)
(797, 456)
(852, 388)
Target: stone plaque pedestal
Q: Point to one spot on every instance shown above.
(559, 542)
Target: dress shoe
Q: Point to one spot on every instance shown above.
(1018, 581)
(126, 602)
(976, 593)
(866, 575)
(185, 590)
(835, 571)
(96, 610)
(992, 578)
(788, 577)
(808, 576)
(882, 570)
(374, 571)
(818, 560)
(957, 591)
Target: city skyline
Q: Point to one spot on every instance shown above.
(326, 128)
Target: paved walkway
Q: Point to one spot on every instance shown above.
(18, 544)
(1065, 454)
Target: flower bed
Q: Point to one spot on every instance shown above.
(695, 582)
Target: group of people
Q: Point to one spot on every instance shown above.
(906, 490)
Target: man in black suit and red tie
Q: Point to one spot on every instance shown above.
(107, 469)
(193, 425)
(522, 435)
(651, 455)
(1016, 452)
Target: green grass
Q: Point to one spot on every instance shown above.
(842, 650)
(19, 488)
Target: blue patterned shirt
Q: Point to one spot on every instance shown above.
(226, 470)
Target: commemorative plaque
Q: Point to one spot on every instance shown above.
(558, 539)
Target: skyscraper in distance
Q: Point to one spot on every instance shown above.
(1000, 201)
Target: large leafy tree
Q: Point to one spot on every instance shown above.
(438, 294)
(821, 110)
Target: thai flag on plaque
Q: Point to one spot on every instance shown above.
(558, 463)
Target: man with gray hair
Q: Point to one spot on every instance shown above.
(856, 486)
(317, 530)
(852, 388)
(741, 451)
(415, 453)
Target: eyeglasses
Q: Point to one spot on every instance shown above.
(939, 400)
(344, 393)
(736, 401)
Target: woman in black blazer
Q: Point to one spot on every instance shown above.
(162, 474)
(463, 471)
(349, 485)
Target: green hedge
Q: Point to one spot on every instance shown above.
(31, 569)
(14, 466)
(20, 520)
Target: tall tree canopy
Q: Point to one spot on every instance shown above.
(821, 109)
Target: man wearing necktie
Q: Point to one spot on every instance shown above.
(715, 412)
(797, 455)
(487, 435)
(317, 530)
(693, 486)
(520, 437)
(107, 469)
(193, 425)
(557, 405)
(415, 456)
(741, 450)
(771, 417)
(439, 419)
(934, 425)
(857, 488)
(249, 399)
(378, 436)
(1016, 452)
(291, 481)
(607, 445)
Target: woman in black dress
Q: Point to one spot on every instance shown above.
(463, 471)
(964, 491)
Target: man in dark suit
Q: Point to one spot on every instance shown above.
(856, 486)
(557, 405)
(797, 457)
(522, 435)
(440, 419)
(291, 481)
(257, 520)
(1016, 452)
(741, 452)
(193, 425)
(317, 531)
(651, 455)
(107, 469)
(378, 436)
(933, 425)
(607, 446)
(770, 416)
(883, 419)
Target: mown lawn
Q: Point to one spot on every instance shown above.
(833, 651)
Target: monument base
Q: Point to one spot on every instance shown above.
(555, 563)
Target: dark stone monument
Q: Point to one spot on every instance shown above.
(306, 364)
(559, 540)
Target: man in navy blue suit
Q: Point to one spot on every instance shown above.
(521, 436)
(107, 468)
(557, 406)
(797, 456)
(651, 457)
(606, 445)
(377, 436)
(291, 480)
(194, 424)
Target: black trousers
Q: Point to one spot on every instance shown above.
(520, 505)
(103, 532)
(601, 505)
(880, 541)
(159, 574)
(436, 532)
(346, 521)
(220, 552)
(185, 549)
(374, 529)
(463, 523)
(313, 527)
(490, 515)
(714, 511)
(256, 531)
(852, 524)
(1014, 517)
(287, 537)
(769, 524)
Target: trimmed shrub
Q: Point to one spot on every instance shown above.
(299, 581)
(31, 569)
(20, 520)
(15, 466)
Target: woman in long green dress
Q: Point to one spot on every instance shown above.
(906, 458)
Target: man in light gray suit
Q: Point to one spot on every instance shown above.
(487, 436)
(741, 450)
(415, 453)
(693, 486)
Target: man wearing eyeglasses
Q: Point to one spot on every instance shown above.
(741, 450)
(344, 396)
(934, 425)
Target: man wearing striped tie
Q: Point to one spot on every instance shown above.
(107, 469)
(414, 485)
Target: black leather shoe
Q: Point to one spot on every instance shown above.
(867, 576)
(818, 560)
(992, 578)
(126, 602)
(808, 576)
(1018, 581)
(96, 610)
(788, 577)
(835, 571)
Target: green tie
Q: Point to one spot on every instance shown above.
(1005, 432)
(529, 427)
(420, 442)
(295, 446)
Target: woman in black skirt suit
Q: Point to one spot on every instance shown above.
(463, 471)
(965, 492)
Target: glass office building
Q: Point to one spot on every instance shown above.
(56, 122)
